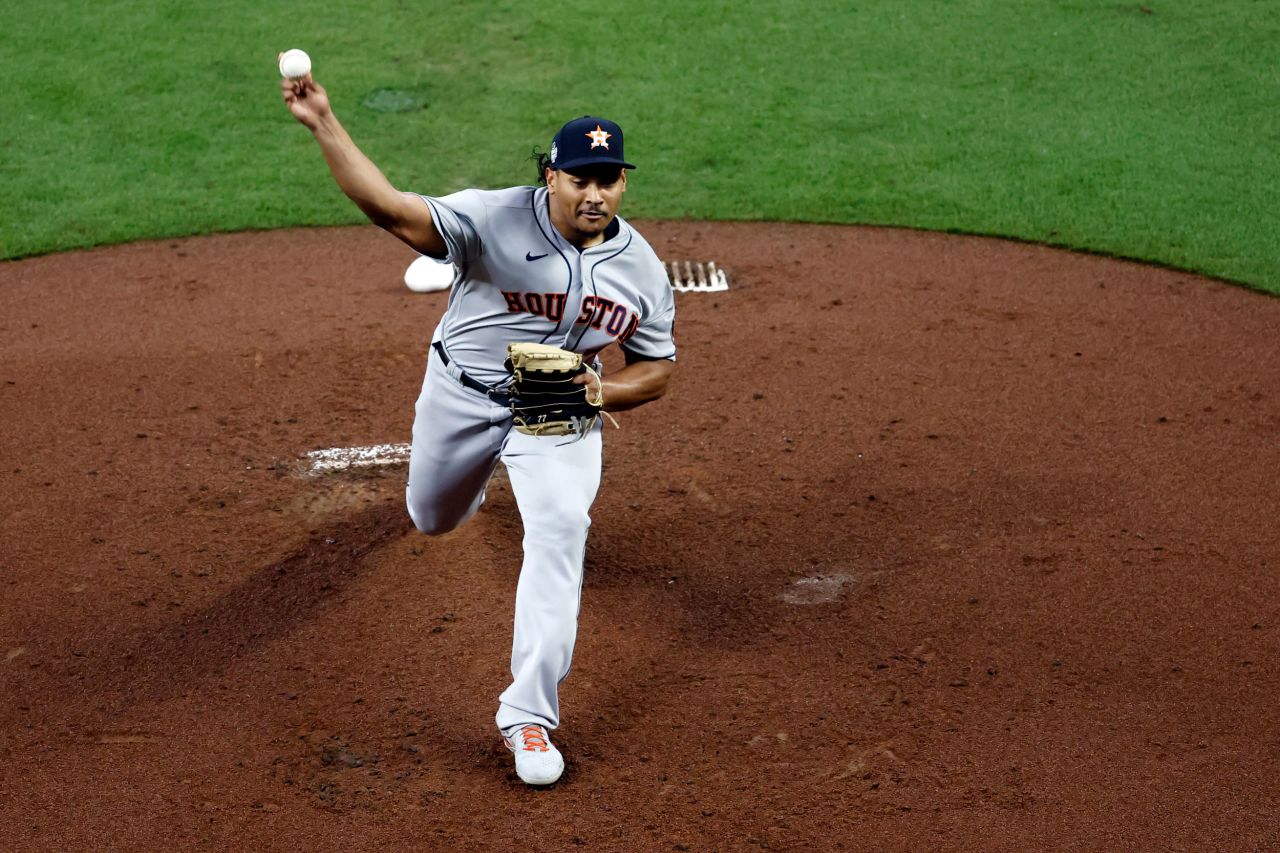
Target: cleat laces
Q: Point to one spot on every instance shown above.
(533, 738)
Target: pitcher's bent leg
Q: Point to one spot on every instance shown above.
(555, 483)
(457, 436)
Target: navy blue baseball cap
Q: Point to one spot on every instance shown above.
(588, 141)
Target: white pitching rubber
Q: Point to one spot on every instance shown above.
(343, 458)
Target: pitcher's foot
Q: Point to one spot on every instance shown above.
(538, 762)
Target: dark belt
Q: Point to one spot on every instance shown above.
(502, 398)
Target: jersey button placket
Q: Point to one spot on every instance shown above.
(573, 302)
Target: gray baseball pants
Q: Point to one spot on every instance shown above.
(459, 436)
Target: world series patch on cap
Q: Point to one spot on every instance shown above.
(588, 141)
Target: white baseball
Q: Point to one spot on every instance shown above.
(295, 64)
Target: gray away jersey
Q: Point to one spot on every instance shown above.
(520, 280)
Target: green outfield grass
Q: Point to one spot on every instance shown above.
(1096, 125)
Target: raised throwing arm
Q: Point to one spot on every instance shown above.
(403, 214)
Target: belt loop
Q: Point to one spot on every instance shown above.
(450, 369)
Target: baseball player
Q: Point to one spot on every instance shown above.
(548, 265)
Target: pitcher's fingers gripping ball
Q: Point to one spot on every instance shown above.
(307, 100)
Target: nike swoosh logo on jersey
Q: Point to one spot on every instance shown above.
(530, 256)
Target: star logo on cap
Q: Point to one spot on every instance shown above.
(599, 137)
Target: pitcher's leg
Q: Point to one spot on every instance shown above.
(457, 436)
(554, 483)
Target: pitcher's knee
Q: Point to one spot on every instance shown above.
(430, 519)
(431, 526)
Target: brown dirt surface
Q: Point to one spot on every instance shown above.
(937, 543)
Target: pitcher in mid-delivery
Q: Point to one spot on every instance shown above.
(552, 264)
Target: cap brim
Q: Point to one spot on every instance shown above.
(591, 161)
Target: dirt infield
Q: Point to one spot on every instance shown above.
(937, 543)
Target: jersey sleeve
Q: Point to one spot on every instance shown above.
(460, 219)
(654, 337)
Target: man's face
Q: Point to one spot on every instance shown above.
(583, 202)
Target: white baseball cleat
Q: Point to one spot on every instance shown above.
(427, 275)
(538, 762)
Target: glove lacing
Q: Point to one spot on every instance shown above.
(599, 400)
